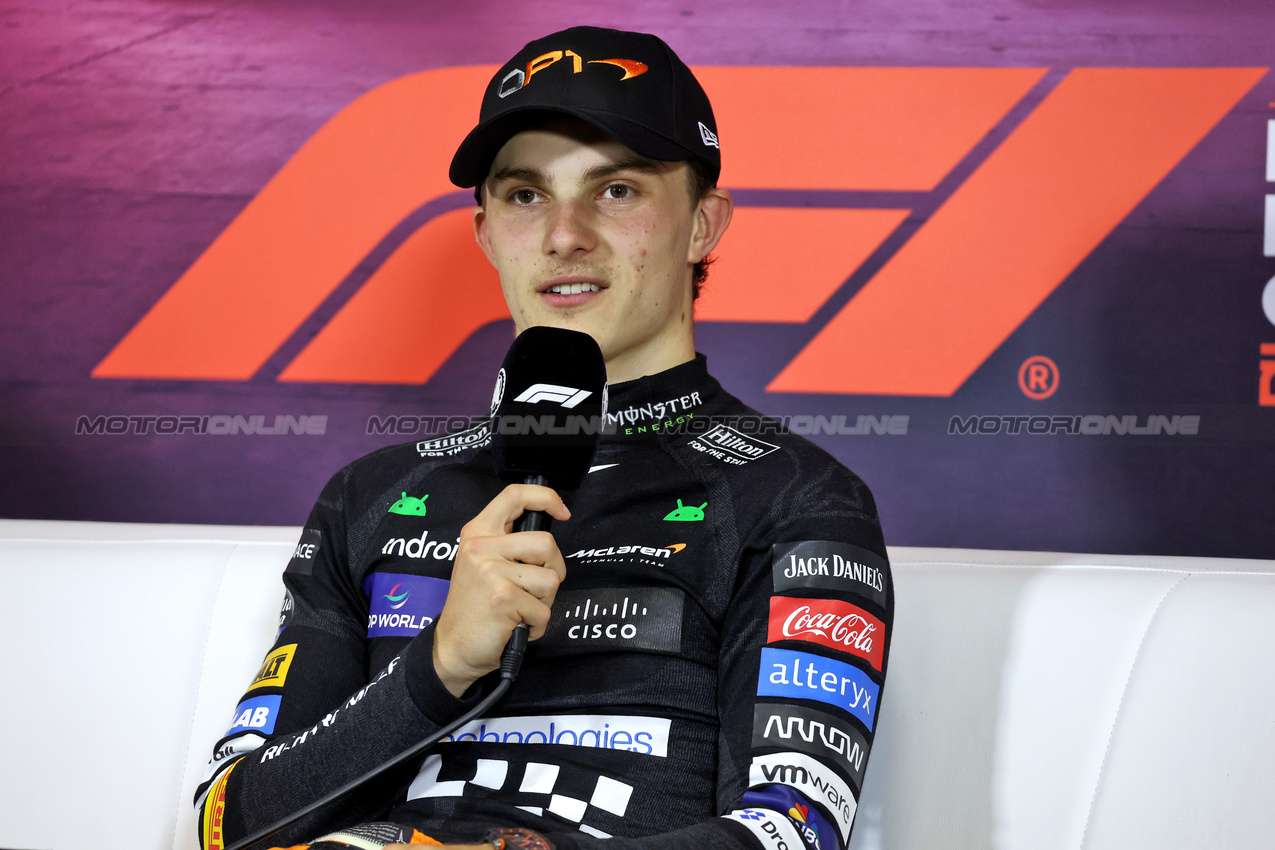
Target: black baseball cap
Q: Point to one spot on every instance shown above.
(631, 85)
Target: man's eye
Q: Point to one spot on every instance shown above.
(618, 191)
(524, 196)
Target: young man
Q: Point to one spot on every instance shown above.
(711, 615)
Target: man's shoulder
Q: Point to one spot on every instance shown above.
(384, 468)
(745, 441)
(780, 483)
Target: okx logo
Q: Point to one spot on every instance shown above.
(1077, 156)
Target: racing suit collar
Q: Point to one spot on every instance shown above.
(663, 403)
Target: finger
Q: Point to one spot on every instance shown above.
(534, 614)
(509, 581)
(537, 548)
(499, 515)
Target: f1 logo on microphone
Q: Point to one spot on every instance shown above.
(566, 396)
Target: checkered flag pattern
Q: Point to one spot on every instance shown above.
(537, 787)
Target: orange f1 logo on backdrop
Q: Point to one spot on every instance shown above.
(1041, 202)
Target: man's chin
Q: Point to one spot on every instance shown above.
(571, 318)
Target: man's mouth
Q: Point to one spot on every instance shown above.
(573, 288)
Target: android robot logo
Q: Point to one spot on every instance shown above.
(686, 513)
(409, 506)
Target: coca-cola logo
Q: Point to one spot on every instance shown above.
(836, 625)
(849, 630)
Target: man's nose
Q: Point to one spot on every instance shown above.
(570, 229)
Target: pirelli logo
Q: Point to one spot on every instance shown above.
(215, 812)
(946, 295)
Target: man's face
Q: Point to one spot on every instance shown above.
(588, 235)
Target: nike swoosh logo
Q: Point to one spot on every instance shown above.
(603, 466)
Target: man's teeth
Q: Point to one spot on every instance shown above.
(575, 288)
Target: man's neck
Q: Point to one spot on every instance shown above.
(629, 366)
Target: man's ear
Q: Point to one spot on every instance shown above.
(712, 216)
(481, 235)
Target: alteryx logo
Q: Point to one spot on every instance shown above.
(401, 605)
(801, 675)
(953, 228)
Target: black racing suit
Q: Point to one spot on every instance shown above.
(710, 677)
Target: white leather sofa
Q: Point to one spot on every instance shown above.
(1035, 700)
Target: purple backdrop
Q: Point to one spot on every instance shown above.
(134, 133)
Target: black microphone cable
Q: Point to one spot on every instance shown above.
(510, 663)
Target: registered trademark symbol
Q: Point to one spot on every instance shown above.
(1038, 377)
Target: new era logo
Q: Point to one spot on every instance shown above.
(566, 396)
(709, 137)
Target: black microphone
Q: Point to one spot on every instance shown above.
(548, 412)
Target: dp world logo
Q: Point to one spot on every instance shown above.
(1001, 226)
(397, 597)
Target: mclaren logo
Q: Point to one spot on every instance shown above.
(613, 551)
(518, 79)
(565, 396)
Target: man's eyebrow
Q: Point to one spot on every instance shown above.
(635, 163)
(524, 174)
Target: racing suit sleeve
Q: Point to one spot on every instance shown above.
(802, 665)
(801, 682)
(315, 717)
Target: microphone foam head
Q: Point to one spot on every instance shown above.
(549, 408)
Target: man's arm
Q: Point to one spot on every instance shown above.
(804, 663)
(314, 719)
(315, 716)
